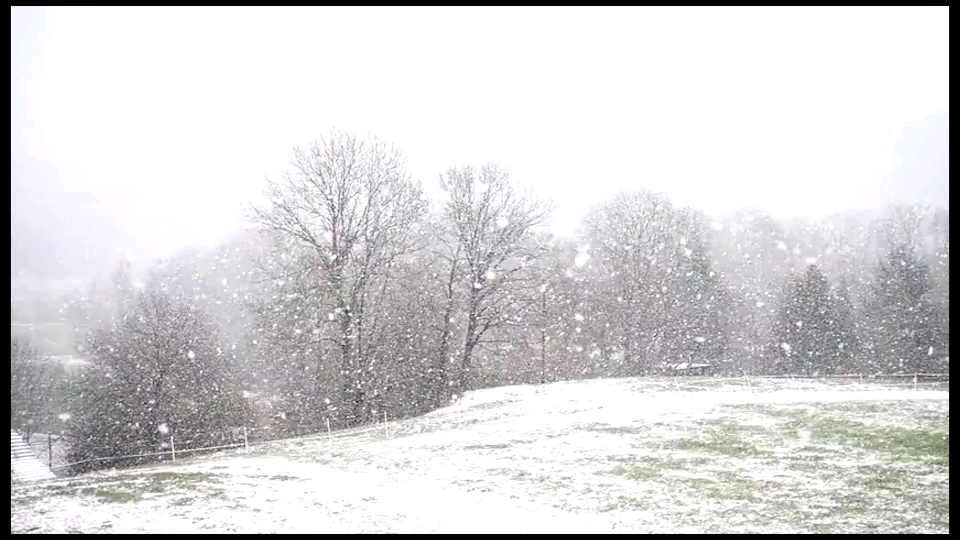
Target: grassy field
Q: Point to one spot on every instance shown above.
(628, 455)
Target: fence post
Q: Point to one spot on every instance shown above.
(246, 446)
(329, 436)
(49, 451)
(173, 451)
(914, 381)
(386, 432)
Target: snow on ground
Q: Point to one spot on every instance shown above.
(626, 455)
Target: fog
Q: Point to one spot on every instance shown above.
(147, 131)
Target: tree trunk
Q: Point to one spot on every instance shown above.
(543, 356)
(543, 339)
(441, 379)
(350, 370)
(471, 342)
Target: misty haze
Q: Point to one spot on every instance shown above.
(462, 270)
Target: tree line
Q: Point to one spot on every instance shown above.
(356, 296)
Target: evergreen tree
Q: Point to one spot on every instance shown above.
(905, 324)
(845, 326)
(699, 292)
(807, 330)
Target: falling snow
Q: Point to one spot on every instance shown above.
(625, 336)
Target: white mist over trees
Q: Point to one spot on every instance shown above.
(356, 296)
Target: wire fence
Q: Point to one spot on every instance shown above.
(893, 379)
(174, 451)
(870, 376)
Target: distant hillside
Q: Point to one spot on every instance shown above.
(923, 174)
(56, 234)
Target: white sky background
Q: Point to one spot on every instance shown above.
(173, 117)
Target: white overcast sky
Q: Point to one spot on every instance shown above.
(172, 117)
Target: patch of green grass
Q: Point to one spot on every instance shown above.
(621, 430)
(637, 472)
(927, 438)
(901, 443)
(491, 405)
(940, 510)
(117, 495)
(548, 481)
(652, 467)
(318, 454)
(881, 488)
(809, 460)
(875, 479)
(497, 446)
(131, 488)
(528, 478)
(723, 485)
(181, 479)
(723, 440)
(61, 489)
(740, 492)
(858, 501)
(766, 409)
(25, 499)
(623, 503)
(806, 519)
(906, 442)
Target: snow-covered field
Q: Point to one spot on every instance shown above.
(627, 455)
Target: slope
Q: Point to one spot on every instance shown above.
(628, 455)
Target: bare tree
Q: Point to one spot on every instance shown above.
(902, 224)
(445, 251)
(633, 234)
(493, 223)
(350, 202)
(663, 300)
(553, 309)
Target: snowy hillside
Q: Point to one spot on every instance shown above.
(627, 455)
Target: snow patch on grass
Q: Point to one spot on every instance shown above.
(686, 455)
